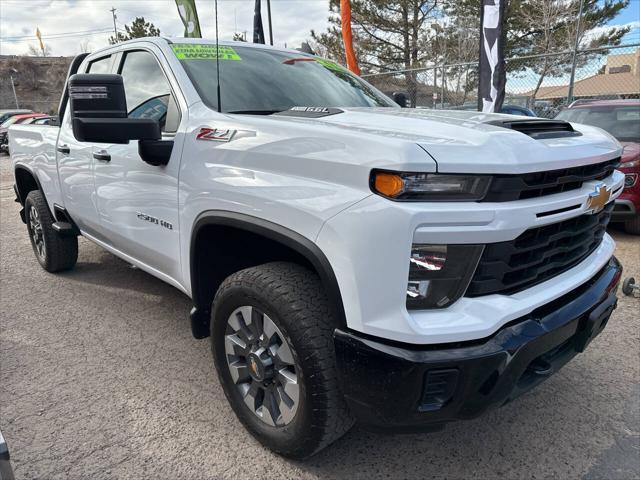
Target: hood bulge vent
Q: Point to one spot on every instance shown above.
(539, 129)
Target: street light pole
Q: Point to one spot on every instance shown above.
(575, 56)
(13, 87)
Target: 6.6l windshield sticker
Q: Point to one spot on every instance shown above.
(187, 51)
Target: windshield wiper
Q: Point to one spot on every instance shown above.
(256, 112)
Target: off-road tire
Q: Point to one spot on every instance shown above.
(633, 226)
(294, 299)
(60, 252)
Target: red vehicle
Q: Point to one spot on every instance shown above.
(621, 118)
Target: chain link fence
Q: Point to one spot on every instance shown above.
(537, 82)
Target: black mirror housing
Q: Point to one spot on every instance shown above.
(99, 111)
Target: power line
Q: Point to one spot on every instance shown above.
(55, 35)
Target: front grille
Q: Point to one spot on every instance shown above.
(506, 188)
(538, 254)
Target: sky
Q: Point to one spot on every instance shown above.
(292, 21)
(68, 26)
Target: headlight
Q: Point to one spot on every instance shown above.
(440, 274)
(630, 180)
(429, 187)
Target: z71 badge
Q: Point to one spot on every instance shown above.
(215, 134)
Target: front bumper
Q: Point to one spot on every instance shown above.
(399, 387)
(623, 210)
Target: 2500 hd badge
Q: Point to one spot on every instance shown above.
(350, 260)
(149, 218)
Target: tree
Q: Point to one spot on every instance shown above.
(85, 46)
(239, 37)
(138, 29)
(388, 35)
(37, 51)
(542, 27)
(391, 35)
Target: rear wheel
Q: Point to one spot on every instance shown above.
(633, 226)
(272, 340)
(54, 251)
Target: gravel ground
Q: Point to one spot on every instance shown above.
(100, 378)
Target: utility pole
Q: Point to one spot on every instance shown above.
(270, 27)
(115, 29)
(575, 55)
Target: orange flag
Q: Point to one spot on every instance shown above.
(40, 39)
(345, 12)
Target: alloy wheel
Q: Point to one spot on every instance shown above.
(262, 366)
(37, 236)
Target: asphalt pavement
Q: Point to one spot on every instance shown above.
(100, 378)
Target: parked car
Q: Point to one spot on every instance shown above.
(621, 118)
(15, 120)
(5, 114)
(517, 110)
(351, 260)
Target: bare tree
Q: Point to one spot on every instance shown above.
(85, 46)
(37, 51)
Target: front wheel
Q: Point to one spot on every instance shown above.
(54, 251)
(272, 340)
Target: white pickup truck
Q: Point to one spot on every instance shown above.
(351, 260)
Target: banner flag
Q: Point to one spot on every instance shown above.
(258, 31)
(347, 37)
(492, 74)
(189, 16)
(40, 39)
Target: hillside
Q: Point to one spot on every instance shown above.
(38, 81)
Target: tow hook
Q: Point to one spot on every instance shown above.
(541, 367)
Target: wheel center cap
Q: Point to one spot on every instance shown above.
(260, 365)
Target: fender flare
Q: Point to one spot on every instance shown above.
(273, 231)
(19, 193)
(20, 166)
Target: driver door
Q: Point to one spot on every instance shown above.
(137, 202)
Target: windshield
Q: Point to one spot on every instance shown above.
(255, 80)
(10, 121)
(622, 122)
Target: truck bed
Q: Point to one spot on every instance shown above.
(33, 147)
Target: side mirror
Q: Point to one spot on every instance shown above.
(99, 111)
(401, 99)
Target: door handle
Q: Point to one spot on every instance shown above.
(64, 148)
(102, 155)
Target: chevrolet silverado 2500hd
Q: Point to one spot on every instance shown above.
(351, 260)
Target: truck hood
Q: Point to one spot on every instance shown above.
(466, 142)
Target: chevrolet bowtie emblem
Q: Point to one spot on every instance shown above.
(598, 199)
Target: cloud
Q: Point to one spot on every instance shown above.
(90, 21)
(596, 32)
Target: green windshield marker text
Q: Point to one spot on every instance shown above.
(203, 52)
(330, 65)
